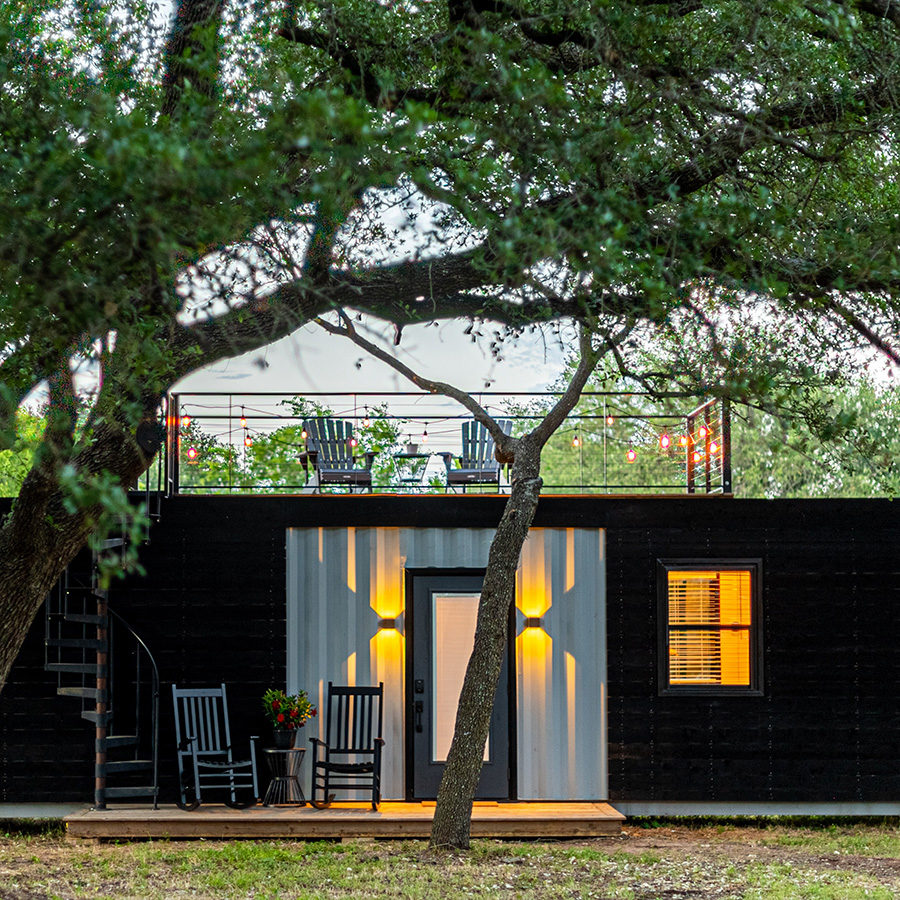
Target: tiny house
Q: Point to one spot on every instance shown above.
(668, 654)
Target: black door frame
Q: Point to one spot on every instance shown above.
(410, 575)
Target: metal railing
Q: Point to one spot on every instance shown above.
(614, 442)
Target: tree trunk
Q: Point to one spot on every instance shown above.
(453, 813)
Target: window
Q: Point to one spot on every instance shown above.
(709, 626)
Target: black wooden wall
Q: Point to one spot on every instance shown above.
(212, 607)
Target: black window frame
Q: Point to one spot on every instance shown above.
(754, 565)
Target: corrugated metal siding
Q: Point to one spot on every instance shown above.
(561, 667)
(342, 580)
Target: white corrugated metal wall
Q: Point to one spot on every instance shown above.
(341, 581)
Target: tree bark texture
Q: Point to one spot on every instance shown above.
(453, 813)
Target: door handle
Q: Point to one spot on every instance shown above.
(419, 707)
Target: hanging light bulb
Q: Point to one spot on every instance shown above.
(713, 448)
(665, 441)
(703, 432)
(631, 455)
(425, 436)
(697, 456)
(610, 420)
(304, 434)
(684, 440)
(243, 418)
(192, 454)
(185, 421)
(248, 441)
(576, 441)
(366, 422)
(352, 442)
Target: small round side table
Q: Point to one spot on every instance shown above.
(284, 788)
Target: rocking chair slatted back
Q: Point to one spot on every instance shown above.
(353, 718)
(203, 715)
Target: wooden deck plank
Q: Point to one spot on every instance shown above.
(392, 820)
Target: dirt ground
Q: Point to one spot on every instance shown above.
(664, 861)
(743, 844)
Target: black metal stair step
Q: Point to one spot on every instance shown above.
(128, 765)
(78, 643)
(85, 692)
(77, 668)
(86, 619)
(97, 718)
(144, 791)
(121, 740)
(109, 543)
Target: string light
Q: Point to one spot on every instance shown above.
(192, 454)
(185, 421)
(713, 448)
(631, 455)
(697, 456)
(665, 441)
(425, 436)
(351, 442)
(243, 418)
(576, 441)
(248, 441)
(366, 422)
(684, 440)
(610, 420)
(304, 434)
(703, 432)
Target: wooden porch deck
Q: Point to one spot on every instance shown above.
(342, 820)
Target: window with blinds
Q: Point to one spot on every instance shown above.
(709, 638)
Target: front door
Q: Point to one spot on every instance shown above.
(444, 613)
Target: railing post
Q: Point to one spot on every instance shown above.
(726, 447)
(173, 420)
(689, 450)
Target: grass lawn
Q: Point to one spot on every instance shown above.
(667, 860)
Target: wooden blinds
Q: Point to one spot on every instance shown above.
(709, 619)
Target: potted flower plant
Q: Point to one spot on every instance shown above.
(288, 714)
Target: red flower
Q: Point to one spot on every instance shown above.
(313, 711)
(294, 713)
(276, 704)
(280, 717)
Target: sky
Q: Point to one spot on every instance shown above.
(311, 360)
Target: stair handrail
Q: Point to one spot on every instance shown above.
(154, 714)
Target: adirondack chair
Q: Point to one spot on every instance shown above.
(350, 756)
(205, 758)
(330, 448)
(477, 464)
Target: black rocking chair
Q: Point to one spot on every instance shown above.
(330, 448)
(205, 759)
(477, 464)
(350, 756)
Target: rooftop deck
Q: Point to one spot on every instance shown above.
(624, 443)
(342, 820)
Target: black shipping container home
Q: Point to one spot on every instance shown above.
(668, 654)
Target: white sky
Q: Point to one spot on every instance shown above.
(313, 361)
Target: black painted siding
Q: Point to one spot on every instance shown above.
(212, 606)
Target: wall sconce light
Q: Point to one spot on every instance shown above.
(387, 624)
(533, 622)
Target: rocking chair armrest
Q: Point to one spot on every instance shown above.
(378, 741)
(370, 458)
(317, 742)
(447, 457)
